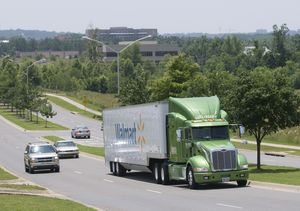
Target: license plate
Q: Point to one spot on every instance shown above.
(225, 179)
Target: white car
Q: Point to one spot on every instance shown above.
(66, 148)
(80, 132)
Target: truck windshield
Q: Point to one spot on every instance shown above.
(219, 132)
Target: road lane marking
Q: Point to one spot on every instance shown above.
(107, 180)
(228, 205)
(78, 172)
(153, 191)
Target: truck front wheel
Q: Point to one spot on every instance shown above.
(190, 178)
(157, 173)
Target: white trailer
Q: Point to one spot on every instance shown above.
(134, 136)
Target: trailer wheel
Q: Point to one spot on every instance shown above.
(120, 170)
(190, 178)
(165, 174)
(157, 173)
(113, 165)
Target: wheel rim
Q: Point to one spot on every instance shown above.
(117, 167)
(162, 174)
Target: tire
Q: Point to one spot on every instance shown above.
(30, 170)
(157, 173)
(57, 169)
(89, 137)
(26, 168)
(165, 180)
(120, 170)
(241, 183)
(191, 179)
(113, 165)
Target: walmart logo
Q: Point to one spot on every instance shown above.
(129, 134)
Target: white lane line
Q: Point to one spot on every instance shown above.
(106, 180)
(153, 191)
(78, 172)
(228, 205)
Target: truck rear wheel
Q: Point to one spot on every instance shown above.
(113, 168)
(241, 183)
(191, 179)
(164, 174)
(157, 173)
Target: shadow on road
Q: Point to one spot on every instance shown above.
(148, 177)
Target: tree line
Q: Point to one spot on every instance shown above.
(256, 87)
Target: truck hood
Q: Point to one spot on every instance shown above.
(215, 145)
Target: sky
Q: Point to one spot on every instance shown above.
(168, 16)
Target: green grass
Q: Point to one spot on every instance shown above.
(95, 100)
(21, 187)
(98, 151)
(70, 107)
(4, 175)
(275, 174)
(26, 202)
(29, 125)
(266, 148)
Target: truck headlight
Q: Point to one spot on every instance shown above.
(56, 157)
(33, 160)
(203, 169)
(245, 166)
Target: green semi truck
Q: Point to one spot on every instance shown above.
(183, 139)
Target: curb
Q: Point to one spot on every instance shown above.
(275, 186)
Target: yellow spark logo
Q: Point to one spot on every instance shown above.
(141, 126)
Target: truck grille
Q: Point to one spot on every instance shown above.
(47, 159)
(224, 160)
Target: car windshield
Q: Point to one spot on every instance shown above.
(42, 149)
(82, 128)
(65, 144)
(218, 132)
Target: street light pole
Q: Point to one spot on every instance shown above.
(27, 70)
(118, 52)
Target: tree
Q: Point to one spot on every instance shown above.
(178, 71)
(279, 42)
(134, 90)
(46, 111)
(264, 102)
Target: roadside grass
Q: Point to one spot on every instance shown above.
(289, 136)
(94, 100)
(70, 107)
(98, 151)
(29, 125)
(275, 174)
(267, 148)
(27, 202)
(21, 187)
(4, 175)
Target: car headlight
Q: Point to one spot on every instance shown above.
(245, 166)
(203, 169)
(33, 160)
(56, 157)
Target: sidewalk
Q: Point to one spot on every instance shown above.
(267, 144)
(78, 105)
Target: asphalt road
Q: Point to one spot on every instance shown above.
(87, 180)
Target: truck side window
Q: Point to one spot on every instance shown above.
(187, 134)
(179, 134)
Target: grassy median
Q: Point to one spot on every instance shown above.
(99, 151)
(275, 174)
(27, 202)
(27, 124)
(64, 104)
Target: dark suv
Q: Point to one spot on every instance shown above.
(40, 155)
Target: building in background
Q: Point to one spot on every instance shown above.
(150, 50)
(48, 54)
(120, 33)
